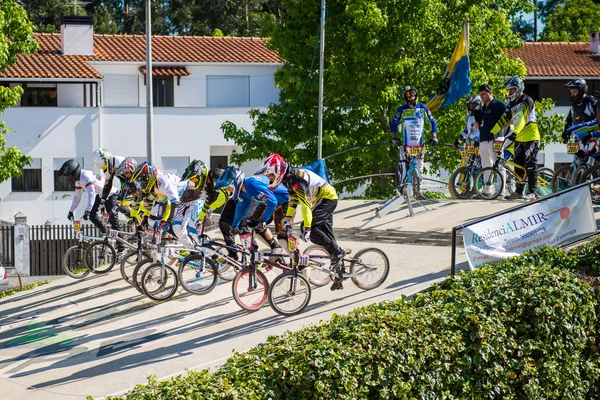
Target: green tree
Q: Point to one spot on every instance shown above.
(47, 15)
(373, 49)
(16, 37)
(571, 21)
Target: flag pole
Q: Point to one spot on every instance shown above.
(321, 62)
(467, 36)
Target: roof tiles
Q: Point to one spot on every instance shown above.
(49, 63)
(558, 59)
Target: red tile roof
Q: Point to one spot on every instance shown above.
(558, 59)
(49, 63)
(166, 71)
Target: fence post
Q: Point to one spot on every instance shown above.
(22, 262)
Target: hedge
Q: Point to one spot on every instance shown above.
(524, 328)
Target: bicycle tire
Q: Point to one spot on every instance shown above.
(102, 257)
(469, 189)
(198, 275)
(127, 264)
(591, 174)
(227, 270)
(563, 178)
(495, 179)
(136, 277)
(314, 276)
(544, 182)
(241, 285)
(153, 274)
(355, 265)
(73, 263)
(285, 282)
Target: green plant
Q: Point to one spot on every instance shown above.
(10, 292)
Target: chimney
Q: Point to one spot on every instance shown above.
(595, 42)
(77, 36)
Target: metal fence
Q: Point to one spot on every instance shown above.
(7, 245)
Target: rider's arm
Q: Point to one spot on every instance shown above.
(213, 202)
(396, 121)
(298, 188)
(431, 119)
(569, 119)
(584, 127)
(76, 199)
(107, 187)
(90, 190)
(241, 209)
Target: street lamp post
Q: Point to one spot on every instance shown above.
(149, 117)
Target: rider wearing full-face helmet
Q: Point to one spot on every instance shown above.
(471, 131)
(583, 107)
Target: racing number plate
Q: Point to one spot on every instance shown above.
(77, 226)
(414, 151)
(572, 148)
(246, 240)
(291, 243)
(148, 237)
(471, 149)
(591, 161)
(498, 145)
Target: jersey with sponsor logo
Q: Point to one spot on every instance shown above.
(305, 189)
(521, 113)
(90, 184)
(412, 122)
(254, 190)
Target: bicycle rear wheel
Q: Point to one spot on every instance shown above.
(373, 266)
(101, 257)
(227, 269)
(322, 257)
(136, 276)
(564, 177)
(489, 183)
(289, 293)
(73, 263)
(250, 291)
(129, 262)
(591, 174)
(159, 283)
(544, 182)
(462, 183)
(198, 274)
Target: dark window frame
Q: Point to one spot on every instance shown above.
(29, 181)
(216, 161)
(40, 97)
(163, 91)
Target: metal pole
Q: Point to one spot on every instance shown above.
(321, 62)
(149, 119)
(453, 256)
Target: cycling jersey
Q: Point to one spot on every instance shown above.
(412, 122)
(471, 131)
(166, 192)
(521, 113)
(584, 111)
(214, 198)
(89, 183)
(581, 130)
(254, 190)
(281, 193)
(109, 176)
(305, 189)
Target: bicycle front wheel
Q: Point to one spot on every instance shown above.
(289, 293)
(73, 263)
(136, 276)
(544, 182)
(250, 289)
(462, 183)
(372, 267)
(227, 269)
(198, 274)
(323, 259)
(591, 174)
(564, 177)
(159, 282)
(129, 262)
(101, 257)
(489, 183)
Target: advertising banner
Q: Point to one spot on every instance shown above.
(558, 220)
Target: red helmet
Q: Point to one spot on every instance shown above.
(274, 165)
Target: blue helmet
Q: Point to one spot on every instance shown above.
(231, 176)
(517, 83)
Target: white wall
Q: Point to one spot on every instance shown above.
(70, 95)
(74, 132)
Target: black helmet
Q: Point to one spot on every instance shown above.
(408, 89)
(577, 84)
(71, 169)
(473, 99)
(214, 174)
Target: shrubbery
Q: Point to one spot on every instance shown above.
(12, 291)
(522, 328)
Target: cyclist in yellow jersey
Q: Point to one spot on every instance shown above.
(526, 135)
(317, 200)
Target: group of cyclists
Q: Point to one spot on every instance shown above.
(488, 118)
(180, 204)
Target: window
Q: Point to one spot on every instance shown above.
(60, 182)
(227, 91)
(120, 90)
(41, 96)
(218, 162)
(162, 92)
(175, 165)
(532, 90)
(31, 179)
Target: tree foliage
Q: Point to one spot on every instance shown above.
(373, 49)
(571, 21)
(16, 37)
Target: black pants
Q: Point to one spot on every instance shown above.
(226, 220)
(322, 226)
(526, 156)
(113, 219)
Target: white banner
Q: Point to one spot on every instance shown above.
(551, 222)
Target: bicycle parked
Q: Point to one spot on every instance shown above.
(461, 184)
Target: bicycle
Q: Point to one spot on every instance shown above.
(156, 276)
(74, 262)
(103, 251)
(461, 184)
(571, 175)
(490, 177)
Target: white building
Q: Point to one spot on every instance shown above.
(84, 91)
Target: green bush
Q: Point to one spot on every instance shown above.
(522, 328)
(12, 291)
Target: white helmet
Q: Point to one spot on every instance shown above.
(102, 160)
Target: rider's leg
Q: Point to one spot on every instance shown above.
(180, 223)
(520, 150)
(419, 179)
(94, 215)
(531, 153)
(488, 159)
(322, 228)
(113, 217)
(225, 225)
